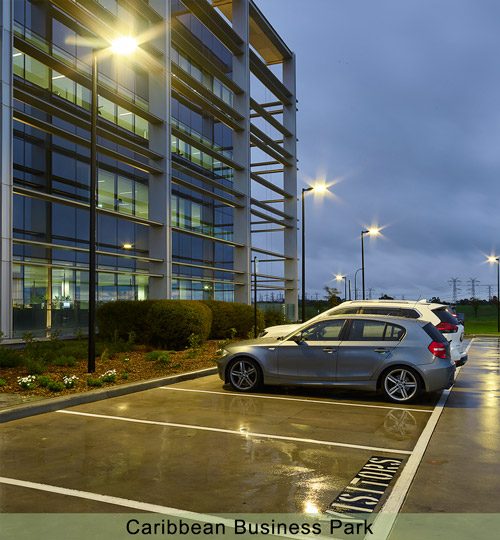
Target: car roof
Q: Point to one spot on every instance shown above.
(375, 317)
(402, 303)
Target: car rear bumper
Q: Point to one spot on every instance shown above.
(438, 376)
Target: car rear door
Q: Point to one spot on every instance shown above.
(314, 357)
(367, 345)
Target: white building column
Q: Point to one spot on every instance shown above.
(290, 186)
(241, 153)
(6, 17)
(160, 238)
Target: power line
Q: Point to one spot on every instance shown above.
(455, 288)
(473, 282)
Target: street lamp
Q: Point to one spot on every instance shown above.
(373, 231)
(123, 46)
(321, 189)
(355, 284)
(492, 259)
(340, 277)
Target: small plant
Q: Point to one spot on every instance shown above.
(3, 382)
(152, 356)
(55, 386)
(232, 333)
(124, 376)
(194, 341)
(105, 355)
(1, 336)
(109, 376)
(164, 359)
(93, 381)
(69, 381)
(27, 383)
(35, 367)
(44, 381)
(55, 335)
(68, 361)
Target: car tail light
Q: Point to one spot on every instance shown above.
(439, 349)
(446, 327)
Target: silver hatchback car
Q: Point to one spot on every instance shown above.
(399, 357)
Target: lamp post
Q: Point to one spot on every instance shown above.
(340, 277)
(371, 232)
(255, 297)
(355, 284)
(496, 260)
(124, 45)
(320, 188)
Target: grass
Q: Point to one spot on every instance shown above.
(485, 322)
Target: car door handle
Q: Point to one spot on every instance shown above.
(329, 350)
(381, 350)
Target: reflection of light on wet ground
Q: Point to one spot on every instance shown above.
(310, 508)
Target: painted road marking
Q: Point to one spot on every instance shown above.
(235, 432)
(389, 512)
(137, 505)
(325, 402)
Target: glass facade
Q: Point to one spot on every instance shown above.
(51, 80)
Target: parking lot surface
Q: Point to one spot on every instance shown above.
(197, 446)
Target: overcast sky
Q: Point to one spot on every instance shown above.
(399, 102)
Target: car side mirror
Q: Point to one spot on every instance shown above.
(297, 338)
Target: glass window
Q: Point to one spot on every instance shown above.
(125, 119)
(394, 332)
(366, 330)
(106, 190)
(141, 200)
(63, 87)
(107, 109)
(124, 196)
(324, 331)
(36, 72)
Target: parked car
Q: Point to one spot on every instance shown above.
(440, 315)
(399, 357)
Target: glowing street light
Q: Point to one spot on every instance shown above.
(372, 231)
(320, 189)
(123, 46)
(340, 277)
(493, 259)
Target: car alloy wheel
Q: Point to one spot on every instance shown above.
(244, 375)
(401, 385)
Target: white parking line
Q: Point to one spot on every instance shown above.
(138, 505)
(237, 432)
(324, 402)
(388, 513)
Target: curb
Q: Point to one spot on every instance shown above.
(54, 404)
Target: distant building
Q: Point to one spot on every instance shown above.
(196, 157)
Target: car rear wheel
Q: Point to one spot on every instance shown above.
(244, 375)
(401, 384)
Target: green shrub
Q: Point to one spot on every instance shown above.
(109, 376)
(273, 317)
(124, 375)
(152, 356)
(35, 367)
(9, 358)
(43, 380)
(94, 381)
(76, 349)
(118, 320)
(68, 361)
(160, 323)
(164, 359)
(173, 321)
(55, 386)
(232, 315)
(3, 382)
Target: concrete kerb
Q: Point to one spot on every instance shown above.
(54, 404)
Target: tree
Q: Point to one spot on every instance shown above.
(386, 297)
(332, 296)
(475, 303)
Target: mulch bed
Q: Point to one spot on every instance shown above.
(130, 367)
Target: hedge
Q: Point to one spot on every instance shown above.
(228, 315)
(160, 323)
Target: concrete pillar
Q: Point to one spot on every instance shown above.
(290, 186)
(6, 17)
(160, 238)
(241, 153)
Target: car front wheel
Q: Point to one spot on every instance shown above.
(244, 375)
(401, 385)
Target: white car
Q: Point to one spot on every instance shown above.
(440, 315)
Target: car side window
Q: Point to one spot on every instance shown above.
(390, 311)
(366, 331)
(409, 313)
(393, 332)
(323, 331)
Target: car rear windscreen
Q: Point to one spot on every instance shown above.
(434, 333)
(444, 316)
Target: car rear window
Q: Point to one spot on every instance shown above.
(362, 330)
(342, 311)
(434, 333)
(444, 316)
